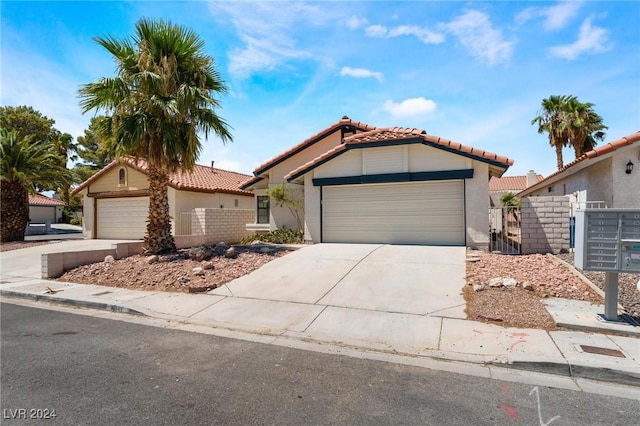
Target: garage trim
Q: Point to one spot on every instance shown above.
(395, 177)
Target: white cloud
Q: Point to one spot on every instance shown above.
(424, 35)
(354, 22)
(591, 39)
(476, 33)
(361, 73)
(410, 107)
(555, 17)
(266, 29)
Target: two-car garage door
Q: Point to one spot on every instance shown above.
(122, 218)
(395, 213)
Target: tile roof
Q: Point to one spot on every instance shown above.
(345, 122)
(510, 183)
(594, 153)
(399, 134)
(43, 200)
(201, 179)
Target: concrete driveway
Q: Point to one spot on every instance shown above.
(422, 280)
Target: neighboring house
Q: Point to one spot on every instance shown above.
(609, 174)
(44, 209)
(499, 186)
(396, 185)
(116, 199)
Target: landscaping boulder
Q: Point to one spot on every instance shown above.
(152, 259)
(109, 259)
(200, 253)
(207, 265)
(495, 282)
(198, 271)
(231, 253)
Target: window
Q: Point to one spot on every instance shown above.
(263, 209)
(122, 177)
(235, 202)
(550, 189)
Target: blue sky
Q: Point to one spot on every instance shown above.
(473, 72)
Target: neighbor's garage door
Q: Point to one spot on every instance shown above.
(398, 213)
(122, 218)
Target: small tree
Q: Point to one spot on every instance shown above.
(289, 198)
(510, 200)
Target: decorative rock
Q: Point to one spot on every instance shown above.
(509, 282)
(473, 259)
(152, 259)
(495, 282)
(221, 244)
(183, 280)
(207, 265)
(478, 287)
(198, 271)
(527, 286)
(200, 253)
(109, 259)
(266, 249)
(255, 242)
(231, 253)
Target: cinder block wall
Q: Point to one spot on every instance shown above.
(545, 224)
(223, 225)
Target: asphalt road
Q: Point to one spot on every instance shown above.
(95, 371)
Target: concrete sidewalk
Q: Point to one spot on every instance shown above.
(343, 316)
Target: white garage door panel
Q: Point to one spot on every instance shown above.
(400, 213)
(122, 218)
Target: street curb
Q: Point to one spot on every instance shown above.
(554, 368)
(72, 302)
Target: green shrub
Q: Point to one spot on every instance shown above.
(77, 221)
(279, 236)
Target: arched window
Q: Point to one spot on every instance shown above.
(122, 177)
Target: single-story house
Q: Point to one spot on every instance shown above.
(44, 209)
(116, 199)
(499, 186)
(607, 176)
(364, 184)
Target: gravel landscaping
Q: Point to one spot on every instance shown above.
(15, 245)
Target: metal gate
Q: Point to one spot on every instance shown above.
(505, 230)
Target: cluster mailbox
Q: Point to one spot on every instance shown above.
(608, 240)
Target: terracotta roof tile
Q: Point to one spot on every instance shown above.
(510, 183)
(398, 133)
(43, 200)
(596, 152)
(345, 121)
(202, 178)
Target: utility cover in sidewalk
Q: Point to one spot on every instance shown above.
(602, 351)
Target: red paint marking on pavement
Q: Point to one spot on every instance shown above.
(510, 411)
(519, 334)
(514, 344)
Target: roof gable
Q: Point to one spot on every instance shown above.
(43, 200)
(400, 136)
(510, 183)
(587, 160)
(345, 123)
(200, 179)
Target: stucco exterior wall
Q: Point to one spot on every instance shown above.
(311, 210)
(477, 207)
(42, 214)
(109, 181)
(87, 218)
(626, 187)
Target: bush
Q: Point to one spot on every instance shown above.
(279, 236)
(77, 221)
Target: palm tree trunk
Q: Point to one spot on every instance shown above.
(559, 156)
(14, 211)
(158, 238)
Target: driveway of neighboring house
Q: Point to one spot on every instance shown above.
(423, 280)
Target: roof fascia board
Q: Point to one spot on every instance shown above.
(395, 177)
(466, 154)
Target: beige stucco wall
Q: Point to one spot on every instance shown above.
(411, 158)
(42, 214)
(605, 180)
(109, 181)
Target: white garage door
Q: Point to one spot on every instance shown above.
(398, 213)
(122, 218)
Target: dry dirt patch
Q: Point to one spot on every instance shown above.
(515, 306)
(171, 272)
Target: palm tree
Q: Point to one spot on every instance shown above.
(162, 96)
(24, 166)
(552, 120)
(585, 126)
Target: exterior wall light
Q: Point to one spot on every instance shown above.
(629, 167)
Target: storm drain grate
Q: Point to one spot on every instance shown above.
(602, 351)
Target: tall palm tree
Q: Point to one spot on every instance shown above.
(162, 96)
(585, 126)
(24, 166)
(552, 120)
